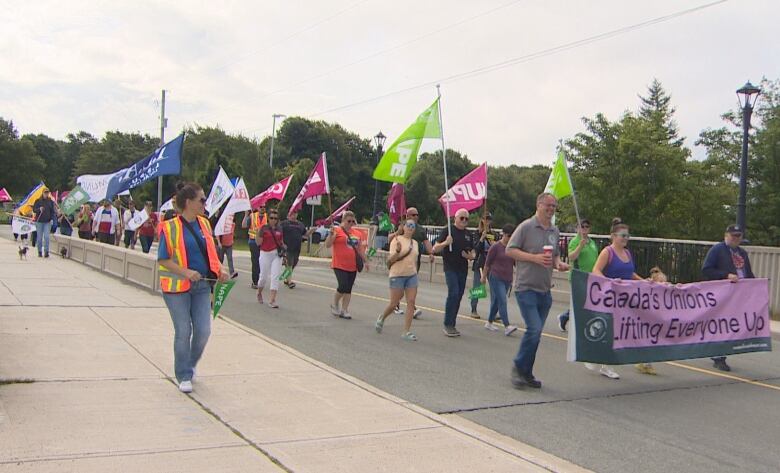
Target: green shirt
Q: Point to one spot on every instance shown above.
(588, 255)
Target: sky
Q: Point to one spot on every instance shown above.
(372, 66)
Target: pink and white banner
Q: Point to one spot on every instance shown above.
(275, 191)
(339, 211)
(468, 193)
(5, 196)
(316, 184)
(396, 203)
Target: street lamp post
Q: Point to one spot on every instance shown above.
(747, 95)
(273, 134)
(379, 140)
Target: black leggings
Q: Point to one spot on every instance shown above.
(346, 280)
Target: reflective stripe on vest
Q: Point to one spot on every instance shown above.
(173, 233)
(255, 223)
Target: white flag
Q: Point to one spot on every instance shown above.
(138, 219)
(22, 226)
(96, 185)
(239, 202)
(168, 205)
(220, 191)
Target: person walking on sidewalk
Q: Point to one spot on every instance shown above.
(484, 238)
(105, 223)
(727, 260)
(349, 255)
(403, 278)
(423, 246)
(534, 246)
(253, 221)
(147, 232)
(187, 257)
(498, 272)
(615, 262)
(293, 231)
(582, 255)
(272, 251)
(225, 249)
(457, 250)
(45, 212)
(127, 217)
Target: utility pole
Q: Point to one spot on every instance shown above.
(163, 124)
(273, 134)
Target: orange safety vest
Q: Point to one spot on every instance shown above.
(256, 223)
(173, 233)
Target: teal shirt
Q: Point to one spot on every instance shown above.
(588, 255)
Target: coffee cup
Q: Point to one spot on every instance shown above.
(548, 251)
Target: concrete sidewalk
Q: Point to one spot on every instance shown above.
(86, 385)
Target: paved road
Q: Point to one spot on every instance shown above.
(689, 418)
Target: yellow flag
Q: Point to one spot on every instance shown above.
(26, 205)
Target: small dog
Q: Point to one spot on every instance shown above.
(64, 252)
(23, 252)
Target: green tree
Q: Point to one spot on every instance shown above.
(20, 165)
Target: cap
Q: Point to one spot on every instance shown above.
(584, 220)
(733, 229)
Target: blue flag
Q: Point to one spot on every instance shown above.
(165, 160)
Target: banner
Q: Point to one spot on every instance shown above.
(220, 191)
(221, 291)
(163, 161)
(96, 185)
(75, 199)
(276, 191)
(339, 211)
(396, 203)
(25, 207)
(22, 225)
(468, 193)
(316, 184)
(619, 322)
(399, 159)
(239, 202)
(559, 184)
(288, 270)
(5, 196)
(168, 205)
(138, 219)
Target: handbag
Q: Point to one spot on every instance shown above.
(391, 261)
(280, 250)
(358, 259)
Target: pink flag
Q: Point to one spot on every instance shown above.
(316, 184)
(276, 191)
(468, 193)
(396, 203)
(339, 211)
(5, 196)
(63, 194)
(55, 196)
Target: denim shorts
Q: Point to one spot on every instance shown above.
(403, 282)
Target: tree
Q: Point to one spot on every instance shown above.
(57, 171)
(20, 166)
(657, 109)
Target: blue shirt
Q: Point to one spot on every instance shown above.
(195, 259)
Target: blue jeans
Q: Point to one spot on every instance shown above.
(499, 289)
(254, 255)
(146, 243)
(456, 286)
(475, 281)
(191, 316)
(534, 307)
(43, 229)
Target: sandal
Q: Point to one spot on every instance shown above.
(409, 336)
(291, 285)
(260, 297)
(379, 324)
(273, 305)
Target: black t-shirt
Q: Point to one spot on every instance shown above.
(44, 210)
(462, 240)
(293, 231)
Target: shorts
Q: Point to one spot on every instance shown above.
(404, 282)
(346, 279)
(292, 258)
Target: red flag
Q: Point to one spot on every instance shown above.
(55, 196)
(396, 203)
(468, 193)
(5, 196)
(276, 191)
(63, 194)
(337, 213)
(316, 184)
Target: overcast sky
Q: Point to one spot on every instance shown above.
(100, 65)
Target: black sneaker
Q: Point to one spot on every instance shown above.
(720, 363)
(451, 331)
(562, 323)
(46, 255)
(521, 381)
(253, 286)
(234, 275)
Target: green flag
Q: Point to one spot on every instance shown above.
(385, 225)
(401, 156)
(478, 292)
(559, 183)
(221, 291)
(371, 252)
(75, 199)
(286, 273)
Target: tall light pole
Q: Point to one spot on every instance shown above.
(273, 134)
(163, 124)
(379, 140)
(747, 95)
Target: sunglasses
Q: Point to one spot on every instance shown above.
(273, 218)
(411, 225)
(586, 227)
(463, 218)
(349, 221)
(736, 235)
(412, 215)
(623, 235)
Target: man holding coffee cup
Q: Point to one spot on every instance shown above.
(534, 247)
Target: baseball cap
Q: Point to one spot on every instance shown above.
(733, 229)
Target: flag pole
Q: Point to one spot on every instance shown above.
(444, 161)
(573, 191)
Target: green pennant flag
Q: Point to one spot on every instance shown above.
(221, 291)
(401, 156)
(559, 183)
(385, 225)
(75, 199)
(479, 292)
(371, 252)
(286, 273)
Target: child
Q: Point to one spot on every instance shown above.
(656, 275)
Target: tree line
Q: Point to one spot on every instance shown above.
(636, 167)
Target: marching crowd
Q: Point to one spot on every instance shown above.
(520, 259)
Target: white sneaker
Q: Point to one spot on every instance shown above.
(591, 366)
(185, 386)
(491, 327)
(417, 313)
(509, 330)
(335, 311)
(398, 310)
(609, 372)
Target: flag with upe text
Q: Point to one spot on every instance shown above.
(399, 159)
(468, 193)
(618, 322)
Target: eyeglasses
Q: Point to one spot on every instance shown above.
(586, 227)
(623, 235)
(463, 218)
(273, 218)
(411, 225)
(412, 215)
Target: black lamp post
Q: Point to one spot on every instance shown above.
(379, 140)
(747, 95)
